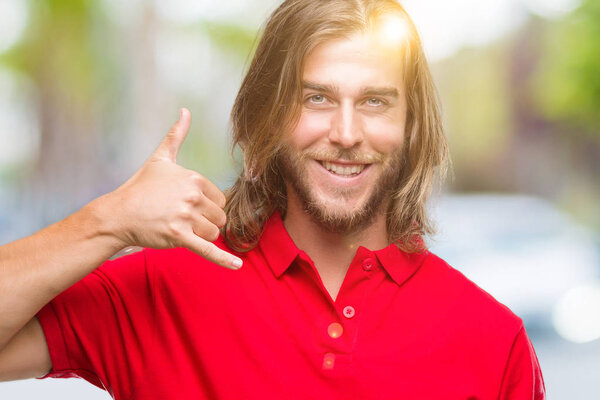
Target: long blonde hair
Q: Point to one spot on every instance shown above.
(268, 104)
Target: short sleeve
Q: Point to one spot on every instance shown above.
(522, 376)
(101, 328)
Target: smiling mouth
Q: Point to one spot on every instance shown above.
(343, 170)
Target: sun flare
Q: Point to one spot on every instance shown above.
(393, 30)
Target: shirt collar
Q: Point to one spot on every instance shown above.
(277, 245)
(280, 251)
(399, 265)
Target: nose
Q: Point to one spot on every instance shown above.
(346, 130)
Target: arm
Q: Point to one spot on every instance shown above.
(26, 355)
(163, 205)
(522, 374)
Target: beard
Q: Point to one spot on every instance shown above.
(341, 219)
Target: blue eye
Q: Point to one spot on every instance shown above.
(317, 99)
(373, 101)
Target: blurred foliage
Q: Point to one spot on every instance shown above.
(207, 148)
(567, 86)
(232, 38)
(476, 102)
(73, 52)
(522, 117)
(59, 47)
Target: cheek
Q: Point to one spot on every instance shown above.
(385, 137)
(312, 127)
(386, 132)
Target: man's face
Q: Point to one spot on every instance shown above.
(344, 156)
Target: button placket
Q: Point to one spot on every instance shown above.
(349, 304)
(328, 361)
(335, 330)
(367, 264)
(343, 334)
(349, 312)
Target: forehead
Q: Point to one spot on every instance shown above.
(356, 61)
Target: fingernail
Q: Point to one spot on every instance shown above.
(180, 114)
(237, 263)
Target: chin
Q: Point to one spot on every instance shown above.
(341, 218)
(340, 205)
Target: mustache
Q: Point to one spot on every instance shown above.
(349, 155)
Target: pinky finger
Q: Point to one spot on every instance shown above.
(211, 252)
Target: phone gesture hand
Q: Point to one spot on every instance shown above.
(164, 205)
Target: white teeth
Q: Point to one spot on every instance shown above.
(343, 170)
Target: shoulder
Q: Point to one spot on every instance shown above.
(181, 278)
(182, 264)
(464, 299)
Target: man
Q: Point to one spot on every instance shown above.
(338, 296)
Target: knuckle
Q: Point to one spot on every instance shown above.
(194, 198)
(173, 231)
(214, 233)
(171, 135)
(197, 178)
(222, 219)
(185, 213)
(210, 252)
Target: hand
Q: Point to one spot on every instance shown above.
(164, 205)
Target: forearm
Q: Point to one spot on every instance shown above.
(35, 269)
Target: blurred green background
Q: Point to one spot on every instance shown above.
(89, 87)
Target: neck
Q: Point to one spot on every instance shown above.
(327, 248)
(331, 252)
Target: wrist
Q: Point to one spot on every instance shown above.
(101, 216)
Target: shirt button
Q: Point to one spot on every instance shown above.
(367, 264)
(335, 330)
(328, 360)
(349, 312)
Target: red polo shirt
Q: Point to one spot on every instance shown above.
(167, 324)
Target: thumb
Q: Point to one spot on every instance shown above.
(172, 142)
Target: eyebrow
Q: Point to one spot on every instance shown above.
(386, 91)
(380, 91)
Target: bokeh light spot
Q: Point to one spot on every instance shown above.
(576, 315)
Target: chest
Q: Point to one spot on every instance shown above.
(288, 338)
